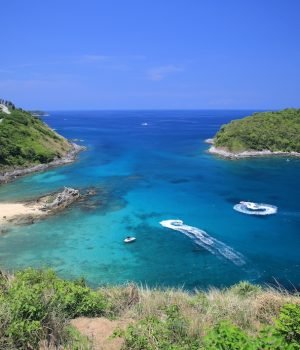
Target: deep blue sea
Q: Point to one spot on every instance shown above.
(149, 166)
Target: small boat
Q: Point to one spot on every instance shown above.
(129, 239)
(252, 206)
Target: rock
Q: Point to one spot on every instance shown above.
(91, 192)
(3, 231)
(209, 141)
(22, 220)
(62, 199)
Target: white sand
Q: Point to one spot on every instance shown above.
(11, 210)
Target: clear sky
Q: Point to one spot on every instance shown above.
(150, 54)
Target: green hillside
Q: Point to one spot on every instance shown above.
(26, 140)
(37, 307)
(274, 131)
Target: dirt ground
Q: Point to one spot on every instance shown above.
(99, 330)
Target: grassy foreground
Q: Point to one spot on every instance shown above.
(36, 307)
(273, 131)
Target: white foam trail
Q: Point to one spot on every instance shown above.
(268, 209)
(203, 239)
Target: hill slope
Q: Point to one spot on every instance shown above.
(271, 131)
(36, 307)
(26, 140)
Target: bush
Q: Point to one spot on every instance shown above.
(40, 303)
(288, 324)
(77, 300)
(166, 333)
(226, 336)
(245, 289)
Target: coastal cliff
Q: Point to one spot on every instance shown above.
(262, 134)
(28, 145)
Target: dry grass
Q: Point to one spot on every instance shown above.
(250, 311)
(247, 306)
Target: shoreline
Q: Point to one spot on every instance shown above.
(11, 212)
(21, 213)
(70, 157)
(249, 154)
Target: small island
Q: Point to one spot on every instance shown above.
(262, 134)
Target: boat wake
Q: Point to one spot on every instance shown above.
(256, 209)
(204, 240)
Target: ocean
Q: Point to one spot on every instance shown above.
(147, 167)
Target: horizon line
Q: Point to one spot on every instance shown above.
(154, 109)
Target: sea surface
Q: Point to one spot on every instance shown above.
(151, 166)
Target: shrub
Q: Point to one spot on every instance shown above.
(40, 304)
(288, 324)
(226, 336)
(77, 300)
(25, 333)
(245, 288)
(166, 333)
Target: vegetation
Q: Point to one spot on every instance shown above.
(25, 140)
(274, 131)
(36, 307)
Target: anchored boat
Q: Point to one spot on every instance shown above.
(129, 239)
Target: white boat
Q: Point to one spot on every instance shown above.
(251, 205)
(129, 239)
(251, 208)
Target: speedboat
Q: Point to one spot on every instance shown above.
(129, 239)
(252, 206)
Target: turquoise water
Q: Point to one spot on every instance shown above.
(144, 174)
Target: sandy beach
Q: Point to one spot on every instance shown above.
(10, 211)
(27, 212)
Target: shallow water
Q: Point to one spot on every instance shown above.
(145, 174)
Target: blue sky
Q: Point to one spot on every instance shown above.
(150, 54)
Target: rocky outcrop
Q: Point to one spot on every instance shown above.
(43, 207)
(222, 152)
(27, 213)
(61, 200)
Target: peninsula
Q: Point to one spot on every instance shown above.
(28, 145)
(262, 134)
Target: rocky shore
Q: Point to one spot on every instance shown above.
(27, 212)
(70, 157)
(247, 154)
